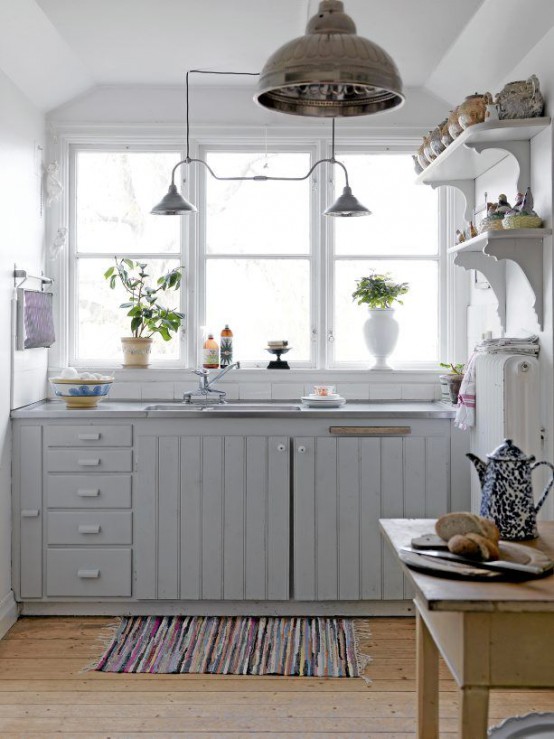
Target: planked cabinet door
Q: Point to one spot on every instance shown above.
(342, 486)
(222, 513)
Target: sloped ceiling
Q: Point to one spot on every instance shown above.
(55, 50)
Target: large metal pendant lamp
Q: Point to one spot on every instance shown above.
(330, 72)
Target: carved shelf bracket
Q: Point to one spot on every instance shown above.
(466, 187)
(495, 274)
(520, 150)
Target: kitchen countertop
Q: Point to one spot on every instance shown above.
(352, 410)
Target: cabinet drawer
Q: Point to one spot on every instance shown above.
(88, 491)
(90, 527)
(88, 572)
(89, 436)
(89, 460)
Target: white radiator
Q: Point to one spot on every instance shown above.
(507, 407)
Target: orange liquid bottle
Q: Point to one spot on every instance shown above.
(211, 353)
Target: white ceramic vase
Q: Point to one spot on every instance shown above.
(136, 351)
(381, 334)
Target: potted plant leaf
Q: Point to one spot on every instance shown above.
(148, 316)
(379, 292)
(451, 382)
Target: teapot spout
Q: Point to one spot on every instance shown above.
(480, 466)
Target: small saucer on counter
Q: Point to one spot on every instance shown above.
(323, 401)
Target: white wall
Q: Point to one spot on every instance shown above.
(21, 228)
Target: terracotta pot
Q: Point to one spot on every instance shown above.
(454, 382)
(435, 139)
(454, 128)
(136, 352)
(446, 138)
(473, 109)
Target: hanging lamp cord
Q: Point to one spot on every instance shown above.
(255, 178)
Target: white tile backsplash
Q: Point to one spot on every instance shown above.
(353, 391)
(385, 391)
(287, 391)
(421, 391)
(253, 391)
(125, 391)
(156, 391)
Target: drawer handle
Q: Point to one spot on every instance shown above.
(370, 430)
(89, 529)
(89, 437)
(88, 574)
(30, 513)
(86, 493)
(89, 462)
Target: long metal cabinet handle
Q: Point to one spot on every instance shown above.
(89, 437)
(30, 513)
(88, 574)
(89, 462)
(86, 493)
(89, 529)
(370, 430)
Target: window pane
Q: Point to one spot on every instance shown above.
(115, 193)
(418, 317)
(261, 300)
(404, 216)
(101, 322)
(258, 217)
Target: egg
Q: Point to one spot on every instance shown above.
(69, 373)
(85, 376)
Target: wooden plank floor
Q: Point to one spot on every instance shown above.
(44, 693)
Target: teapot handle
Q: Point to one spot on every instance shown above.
(548, 486)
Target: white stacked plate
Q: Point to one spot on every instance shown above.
(323, 401)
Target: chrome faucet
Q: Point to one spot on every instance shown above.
(205, 390)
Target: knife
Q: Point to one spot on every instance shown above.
(499, 565)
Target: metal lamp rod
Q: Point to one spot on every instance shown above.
(255, 178)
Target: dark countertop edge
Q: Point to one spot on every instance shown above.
(377, 409)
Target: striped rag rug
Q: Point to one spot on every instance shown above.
(225, 645)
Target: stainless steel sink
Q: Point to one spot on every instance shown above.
(233, 407)
(262, 407)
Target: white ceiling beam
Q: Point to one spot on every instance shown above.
(36, 58)
(492, 43)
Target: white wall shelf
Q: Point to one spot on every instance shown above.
(487, 254)
(478, 149)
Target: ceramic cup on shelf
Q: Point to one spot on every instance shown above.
(454, 128)
(473, 109)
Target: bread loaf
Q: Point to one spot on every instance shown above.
(465, 547)
(464, 523)
(488, 548)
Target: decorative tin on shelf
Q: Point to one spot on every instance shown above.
(473, 109)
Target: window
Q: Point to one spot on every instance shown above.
(259, 256)
(114, 193)
(401, 237)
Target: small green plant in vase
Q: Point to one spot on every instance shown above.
(379, 292)
(148, 316)
(451, 382)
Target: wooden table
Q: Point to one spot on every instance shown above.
(490, 634)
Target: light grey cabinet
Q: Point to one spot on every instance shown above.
(213, 517)
(342, 486)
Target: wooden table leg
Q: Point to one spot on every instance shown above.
(427, 683)
(474, 712)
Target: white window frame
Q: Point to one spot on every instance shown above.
(386, 147)
(67, 139)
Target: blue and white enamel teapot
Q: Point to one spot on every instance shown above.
(507, 490)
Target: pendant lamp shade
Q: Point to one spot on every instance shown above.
(330, 72)
(347, 206)
(173, 204)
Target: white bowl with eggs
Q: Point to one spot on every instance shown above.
(81, 389)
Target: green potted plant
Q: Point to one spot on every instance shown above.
(451, 382)
(148, 316)
(379, 292)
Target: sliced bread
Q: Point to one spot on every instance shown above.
(465, 523)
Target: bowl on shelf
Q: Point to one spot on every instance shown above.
(81, 393)
(521, 220)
